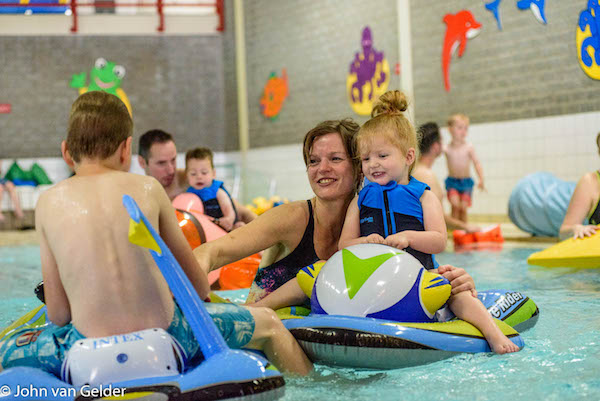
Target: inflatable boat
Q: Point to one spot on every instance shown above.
(151, 367)
(376, 307)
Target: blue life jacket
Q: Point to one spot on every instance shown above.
(208, 196)
(392, 208)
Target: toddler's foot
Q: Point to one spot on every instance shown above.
(19, 214)
(1, 217)
(501, 344)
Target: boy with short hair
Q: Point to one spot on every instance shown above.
(200, 173)
(98, 284)
(459, 155)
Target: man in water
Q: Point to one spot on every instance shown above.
(158, 158)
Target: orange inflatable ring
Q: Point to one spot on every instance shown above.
(239, 274)
(198, 229)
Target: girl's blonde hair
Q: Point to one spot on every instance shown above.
(388, 120)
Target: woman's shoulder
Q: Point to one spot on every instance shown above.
(295, 209)
(288, 212)
(591, 179)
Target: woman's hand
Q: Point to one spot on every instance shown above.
(581, 231)
(459, 279)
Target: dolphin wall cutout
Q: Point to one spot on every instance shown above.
(275, 92)
(105, 76)
(459, 27)
(587, 38)
(493, 7)
(368, 77)
(537, 7)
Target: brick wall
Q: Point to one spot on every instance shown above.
(527, 70)
(316, 42)
(175, 83)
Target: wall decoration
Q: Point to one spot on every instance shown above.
(493, 8)
(274, 93)
(587, 37)
(105, 76)
(536, 6)
(369, 76)
(459, 27)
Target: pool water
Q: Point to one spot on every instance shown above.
(561, 360)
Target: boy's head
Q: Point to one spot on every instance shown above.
(99, 126)
(199, 167)
(458, 125)
(388, 129)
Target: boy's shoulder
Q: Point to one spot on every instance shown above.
(73, 184)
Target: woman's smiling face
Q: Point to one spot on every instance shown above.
(330, 168)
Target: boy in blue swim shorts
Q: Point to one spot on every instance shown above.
(459, 156)
(98, 284)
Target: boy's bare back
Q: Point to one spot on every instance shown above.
(113, 286)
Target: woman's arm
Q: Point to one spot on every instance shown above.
(173, 236)
(433, 239)
(579, 207)
(276, 225)
(227, 209)
(351, 230)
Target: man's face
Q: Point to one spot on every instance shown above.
(162, 162)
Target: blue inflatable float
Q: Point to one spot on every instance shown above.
(539, 202)
(376, 307)
(222, 374)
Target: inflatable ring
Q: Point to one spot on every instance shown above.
(198, 229)
(376, 343)
(222, 374)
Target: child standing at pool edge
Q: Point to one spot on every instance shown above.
(387, 145)
(459, 155)
(200, 173)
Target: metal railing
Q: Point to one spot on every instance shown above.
(75, 8)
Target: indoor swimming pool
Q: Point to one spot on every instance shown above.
(561, 359)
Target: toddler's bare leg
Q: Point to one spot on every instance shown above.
(471, 309)
(454, 200)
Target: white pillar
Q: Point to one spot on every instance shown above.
(405, 51)
(242, 89)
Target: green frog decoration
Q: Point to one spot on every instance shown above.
(105, 76)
